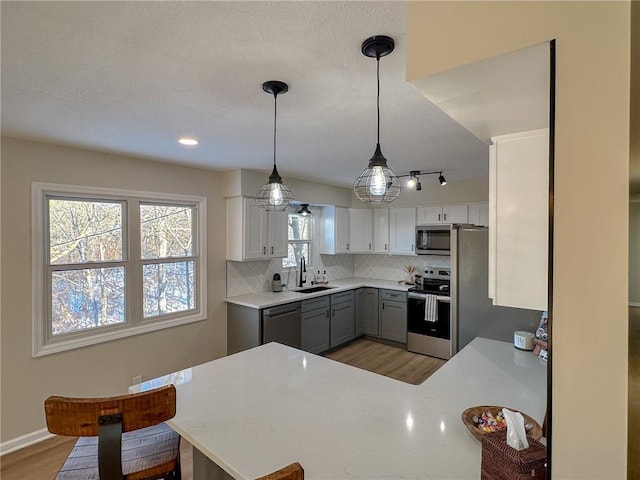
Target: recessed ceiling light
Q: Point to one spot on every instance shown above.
(188, 141)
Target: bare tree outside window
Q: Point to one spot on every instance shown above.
(167, 233)
(113, 263)
(86, 234)
(299, 235)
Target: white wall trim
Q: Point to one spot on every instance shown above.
(634, 304)
(24, 441)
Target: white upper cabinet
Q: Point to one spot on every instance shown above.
(402, 230)
(253, 233)
(278, 234)
(381, 230)
(518, 219)
(334, 223)
(479, 214)
(455, 213)
(360, 230)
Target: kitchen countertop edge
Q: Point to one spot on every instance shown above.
(271, 299)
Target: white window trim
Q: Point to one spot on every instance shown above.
(39, 190)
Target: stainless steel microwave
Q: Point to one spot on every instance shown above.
(433, 239)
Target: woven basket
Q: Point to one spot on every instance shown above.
(501, 462)
(467, 418)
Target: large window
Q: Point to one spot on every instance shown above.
(109, 264)
(299, 235)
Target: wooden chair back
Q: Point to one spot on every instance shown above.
(293, 471)
(79, 417)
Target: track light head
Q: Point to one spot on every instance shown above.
(442, 180)
(418, 185)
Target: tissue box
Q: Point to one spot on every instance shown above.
(501, 462)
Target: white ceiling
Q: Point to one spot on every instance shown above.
(498, 95)
(132, 77)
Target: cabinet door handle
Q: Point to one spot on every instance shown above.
(385, 247)
(445, 217)
(327, 313)
(347, 247)
(383, 305)
(271, 250)
(412, 247)
(439, 215)
(264, 250)
(369, 246)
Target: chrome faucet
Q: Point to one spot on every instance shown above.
(303, 270)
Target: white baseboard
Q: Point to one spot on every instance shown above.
(24, 441)
(634, 304)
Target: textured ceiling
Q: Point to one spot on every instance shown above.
(132, 77)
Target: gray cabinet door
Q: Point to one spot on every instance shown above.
(367, 313)
(315, 330)
(393, 320)
(342, 322)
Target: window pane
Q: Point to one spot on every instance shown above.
(296, 251)
(168, 288)
(299, 227)
(83, 231)
(86, 299)
(166, 231)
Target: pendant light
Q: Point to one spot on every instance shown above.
(274, 195)
(304, 210)
(377, 184)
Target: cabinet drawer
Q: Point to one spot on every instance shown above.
(313, 303)
(342, 297)
(393, 295)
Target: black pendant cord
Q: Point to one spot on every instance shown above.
(378, 94)
(275, 119)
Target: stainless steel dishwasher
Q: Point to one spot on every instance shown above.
(282, 324)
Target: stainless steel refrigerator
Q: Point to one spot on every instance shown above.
(472, 311)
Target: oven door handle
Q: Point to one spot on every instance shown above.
(421, 296)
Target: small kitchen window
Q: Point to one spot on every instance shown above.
(299, 228)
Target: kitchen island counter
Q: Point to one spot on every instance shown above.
(254, 412)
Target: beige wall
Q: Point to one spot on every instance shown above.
(592, 113)
(107, 368)
(303, 190)
(634, 143)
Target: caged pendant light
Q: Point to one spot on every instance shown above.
(274, 195)
(377, 184)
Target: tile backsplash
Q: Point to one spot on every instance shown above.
(255, 276)
(391, 267)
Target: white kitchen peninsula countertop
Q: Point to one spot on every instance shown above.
(271, 299)
(259, 410)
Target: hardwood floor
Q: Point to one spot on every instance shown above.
(387, 360)
(633, 451)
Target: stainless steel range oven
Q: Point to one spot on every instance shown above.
(429, 327)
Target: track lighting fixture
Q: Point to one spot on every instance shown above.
(414, 178)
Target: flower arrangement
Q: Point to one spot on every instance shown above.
(410, 269)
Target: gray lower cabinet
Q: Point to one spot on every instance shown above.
(342, 317)
(244, 328)
(315, 325)
(393, 315)
(367, 312)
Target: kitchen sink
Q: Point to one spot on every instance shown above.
(317, 288)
